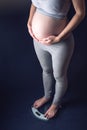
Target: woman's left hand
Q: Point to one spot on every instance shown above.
(50, 40)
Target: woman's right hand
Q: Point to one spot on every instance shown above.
(30, 31)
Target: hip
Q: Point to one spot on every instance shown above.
(66, 44)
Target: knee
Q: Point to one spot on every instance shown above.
(47, 71)
(61, 76)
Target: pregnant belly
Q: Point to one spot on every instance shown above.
(44, 26)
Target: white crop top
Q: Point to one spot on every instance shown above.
(53, 8)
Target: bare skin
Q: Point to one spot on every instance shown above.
(51, 112)
(79, 6)
(40, 102)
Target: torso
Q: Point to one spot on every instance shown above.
(44, 26)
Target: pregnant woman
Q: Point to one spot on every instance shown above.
(54, 45)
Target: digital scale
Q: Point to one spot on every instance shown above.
(38, 114)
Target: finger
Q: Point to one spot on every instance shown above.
(30, 31)
(33, 36)
(45, 39)
(51, 37)
(45, 42)
(48, 42)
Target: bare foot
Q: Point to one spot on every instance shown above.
(38, 103)
(51, 112)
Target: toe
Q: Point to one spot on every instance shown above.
(48, 117)
(46, 114)
(35, 104)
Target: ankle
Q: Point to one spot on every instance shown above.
(47, 98)
(56, 106)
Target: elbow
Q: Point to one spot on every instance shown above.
(81, 15)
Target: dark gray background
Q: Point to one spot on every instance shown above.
(20, 74)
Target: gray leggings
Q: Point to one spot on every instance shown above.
(54, 60)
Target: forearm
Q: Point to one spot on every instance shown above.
(73, 23)
(32, 11)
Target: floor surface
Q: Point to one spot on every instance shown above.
(21, 82)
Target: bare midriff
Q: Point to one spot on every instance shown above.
(44, 26)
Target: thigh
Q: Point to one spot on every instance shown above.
(62, 55)
(43, 56)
